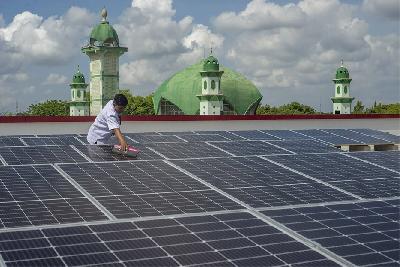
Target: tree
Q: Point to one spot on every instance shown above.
(49, 108)
(358, 108)
(138, 105)
(380, 108)
(291, 108)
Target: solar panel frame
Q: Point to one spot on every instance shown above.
(226, 134)
(144, 139)
(260, 183)
(285, 134)
(357, 137)
(203, 137)
(39, 195)
(50, 141)
(350, 230)
(250, 148)
(187, 150)
(387, 159)
(145, 188)
(102, 153)
(10, 141)
(40, 155)
(351, 175)
(237, 238)
(306, 146)
(254, 135)
(378, 134)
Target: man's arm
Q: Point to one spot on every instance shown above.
(121, 139)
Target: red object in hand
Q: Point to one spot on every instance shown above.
(130, 152)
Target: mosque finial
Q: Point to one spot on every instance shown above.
(341, 63)
(78, 68)
(104, 14)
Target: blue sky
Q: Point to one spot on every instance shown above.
(289, 49)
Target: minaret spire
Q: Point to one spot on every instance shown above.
(104, 14)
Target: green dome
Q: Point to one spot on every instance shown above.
(78, 78)
(342, 73)
(104, 33)
(211, 64)
(181, 90)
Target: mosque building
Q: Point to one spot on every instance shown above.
(205, 88)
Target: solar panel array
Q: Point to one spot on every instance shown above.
(204, 198)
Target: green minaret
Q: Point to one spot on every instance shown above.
(104, 52)
(342, 100)
(79, 105)
(211, 97)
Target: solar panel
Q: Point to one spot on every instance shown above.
(388, 159)
(40, 155)
(260, 183)
(99, 153)
(10, 141)
(189, 197)
(357, 137)
(39, 195)
(363, 233)
(49, 141)
(305, 146)
(218, 240)
(141, 138)
(187, 150)
(225, 134)
(249, 148)
(255, 135)
(144, 188)
(176, 133)
(354, 176)
(378, 134)
(203, 137)
(285, 134)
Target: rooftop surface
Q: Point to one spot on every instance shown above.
(209, 198)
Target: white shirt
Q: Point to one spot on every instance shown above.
(102, 128)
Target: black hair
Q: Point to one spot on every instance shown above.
(120, 100)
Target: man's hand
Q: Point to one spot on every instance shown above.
(124, 145)
(121, 139)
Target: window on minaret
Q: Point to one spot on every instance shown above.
(345, 89)
(212, 84)
(78, 94)
(338, 90)
(205, 85)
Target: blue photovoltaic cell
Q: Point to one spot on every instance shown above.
(352, 175)
(40, 155)
(38, 195)
(10, 141)
(357, 137)
(260, 183)
(362, 233)
(187, 150)
(388, 159)
(378, 134)
(219, 240)
(146, 188)
(285, 134)
(156, 138)
(250, 148)
(104, 153)
(255, 135)
(225, 134)
(305, 146)
(203, 137)
(49, 141)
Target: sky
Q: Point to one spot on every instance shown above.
(288, 49)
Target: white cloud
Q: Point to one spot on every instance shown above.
(383, 8)
(50, 41)
(295, 58)
(158, 44)
(54, 78)
(261, 15)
